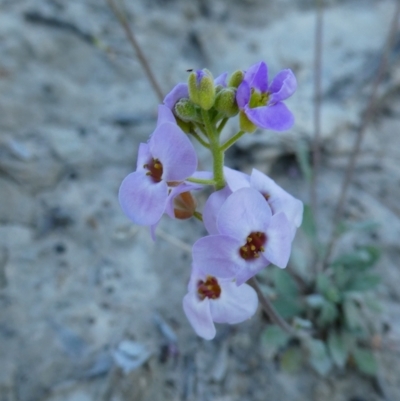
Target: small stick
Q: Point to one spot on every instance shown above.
(317, 106)
(361, 131)
(142, 59)
(270, 310)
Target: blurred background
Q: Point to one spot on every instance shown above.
(90, 306)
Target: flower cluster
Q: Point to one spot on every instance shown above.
(251, 221)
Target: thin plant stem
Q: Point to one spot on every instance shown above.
(231, 141)
(222, 124)
(201, 181)
(218, 155)
(316, 161)
(135, 44)
(270, 310)
(198, 216)
(367, 116)
(200, 139)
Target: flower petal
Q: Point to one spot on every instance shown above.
(221, 79)
(144, 156)
(279, 199)
(212, 208)
(174, 150)
(165, 115)
(245, 211)
(235, 304)
(257, 76)
(283, 86)
(279, 240)
(176, 191)
(276, 117)
(243, 94)
(178, 92)
(218, 255)
(236, 179)
(199, 315)
(142, 200)
(251, 270)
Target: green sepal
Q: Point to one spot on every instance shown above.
(245, 124)
(202, 91)
(187, 110)
(185, 126)
(225, 102)
(236, 78)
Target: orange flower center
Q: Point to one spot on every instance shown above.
(209, 288)
(253, 246)
(155, 169)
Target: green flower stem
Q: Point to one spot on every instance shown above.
(200, 139)
(231, 141)
(222, 124)
(201, 128)
(201, 181)
(198, 216)
(217, 153)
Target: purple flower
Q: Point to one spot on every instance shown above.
(212, 299)
(168, 157)
(181, 90)
(262, 103)
(278, 199)
(249, 238)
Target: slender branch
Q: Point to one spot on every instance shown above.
(317, 106)
(218, 155)
(222, 125)
(231, 141)
(142, 59)
(270, 310)
(367, 115)
(200, 139)
(201, 181)
(198, 216)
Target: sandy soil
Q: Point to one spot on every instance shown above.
(80, 286)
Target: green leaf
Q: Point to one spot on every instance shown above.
(338, 349)
(364, 283)
(328, 313)
(299, 323)
(319, 357)
(323, 283)
(342, 276)
(287, 307)
(275, 337)
(284, 283)
(362, 258)
(326, 288)
(365, 361)
(372, 303)
(315, 301)
(291, 360)
(364, 226)
(308, 225)
(303, 158)
(352, 315)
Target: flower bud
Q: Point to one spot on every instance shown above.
(236, 78)
(184, 206)
(187, 110)
(225, 102)
(245, 124)
(202, 88)
(185, 126)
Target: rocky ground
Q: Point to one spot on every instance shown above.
(90, 305)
